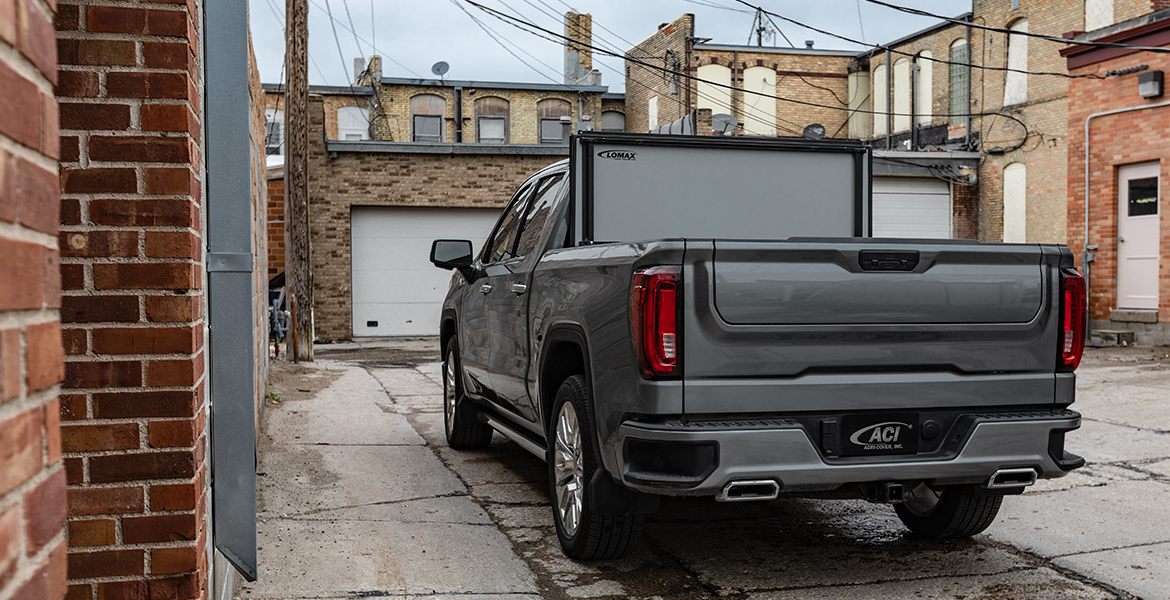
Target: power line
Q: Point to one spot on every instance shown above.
(353, 30)
(923, 13)
(521, 24)
(340, 54)
(930, 58)
(603, 27)
(492, 34)
(860, 22)
(370, 44)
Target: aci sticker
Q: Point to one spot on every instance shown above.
(882, 436)
(617, 155)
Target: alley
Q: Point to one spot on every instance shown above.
(360, 497)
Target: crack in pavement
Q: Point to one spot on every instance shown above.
(1110, 549)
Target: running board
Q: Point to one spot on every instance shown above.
(518, 438)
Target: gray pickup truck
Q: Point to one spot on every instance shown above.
(695, 316)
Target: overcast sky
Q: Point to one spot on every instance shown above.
(412, 35)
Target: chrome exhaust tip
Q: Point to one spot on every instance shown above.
(746, 491)
(1011, 478)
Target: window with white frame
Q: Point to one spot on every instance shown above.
(353, 123)
(901, 94)
(273, 132)
(491, 120)
(548, 113)
(426, 118)
(881, 97)
(1015, 203)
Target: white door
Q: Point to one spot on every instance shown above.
(396, 290)
(1137, 237)
(911, 207)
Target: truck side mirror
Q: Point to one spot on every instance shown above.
(451, 254)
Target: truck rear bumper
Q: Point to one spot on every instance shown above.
(700, 458)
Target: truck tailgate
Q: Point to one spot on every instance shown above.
(864, 324)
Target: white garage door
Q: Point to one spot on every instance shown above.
(396, 290)
(914, 207)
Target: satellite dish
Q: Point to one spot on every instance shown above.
(723, 123)
(440, 68)
(815, 131)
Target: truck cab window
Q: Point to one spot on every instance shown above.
(502, 242)
(546, 193)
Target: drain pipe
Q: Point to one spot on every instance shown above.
(1086, 254)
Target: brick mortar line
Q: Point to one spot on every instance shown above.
(85, 227)
(125, 196)
(143, 294)
(14, 319)
(123, 4)
(23, 66)
(31, 155)
(39, 399)
(22, 233)
(129, 260)
(106, 69)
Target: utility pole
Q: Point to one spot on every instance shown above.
(298, 271)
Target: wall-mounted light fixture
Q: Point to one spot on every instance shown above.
(1150, 84)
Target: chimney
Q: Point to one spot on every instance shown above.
(579, 56)
(359, 66)
(376, 68)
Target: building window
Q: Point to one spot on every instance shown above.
(426, 118)
(901, 94)
(714, 89)
(548, 114)
(652, 112)
(1015, 203)
(925, 92)
(1098, 14)
(759, 101)
(273, 131)
(1015, 89)
(612, 120)
(881, 97)
(960, 72)
(353, 123)
(491, 120)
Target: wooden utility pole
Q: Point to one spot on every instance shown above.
(298, 272)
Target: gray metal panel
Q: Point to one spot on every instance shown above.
(230, 294)
(659, 192)
(804, 284)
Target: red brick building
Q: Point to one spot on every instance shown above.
(32, 477)
(1123, 161)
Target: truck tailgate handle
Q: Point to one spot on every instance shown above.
(486, 288)
(886, 260)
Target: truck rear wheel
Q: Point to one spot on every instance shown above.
(462, 425)
(951, 512)
(572, 461)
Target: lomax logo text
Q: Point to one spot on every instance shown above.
(618, 155)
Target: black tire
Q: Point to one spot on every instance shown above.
(959, 511)
(585, 535)
(460, 419)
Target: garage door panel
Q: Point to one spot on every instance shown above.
(405, 318)
(909, 207)
(393, 281)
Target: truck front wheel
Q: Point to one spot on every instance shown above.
(462, 425)
(572, 461)
(951, 512)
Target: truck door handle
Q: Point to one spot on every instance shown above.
(519, 288)
(485, 288)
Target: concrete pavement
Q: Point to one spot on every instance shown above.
(361, 497)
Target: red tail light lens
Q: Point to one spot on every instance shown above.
(654, 320)
(1073, 310)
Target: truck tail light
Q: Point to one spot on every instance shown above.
(654, 320)
(1073, 313)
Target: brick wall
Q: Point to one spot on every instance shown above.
(333, 101)
(32, 479)
(389, 179)
(809, 77)
(939, 45)
(522, 116)
(644, 83)
(134, 412)
(1116, 140)
(275, 223)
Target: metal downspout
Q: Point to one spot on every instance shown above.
(458, 115)
(735, 86)
(889, 99)
(967, 97)
(1086, 256)
(914, 103)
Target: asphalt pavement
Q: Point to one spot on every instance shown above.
(361, 498)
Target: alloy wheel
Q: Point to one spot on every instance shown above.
(570, 476)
